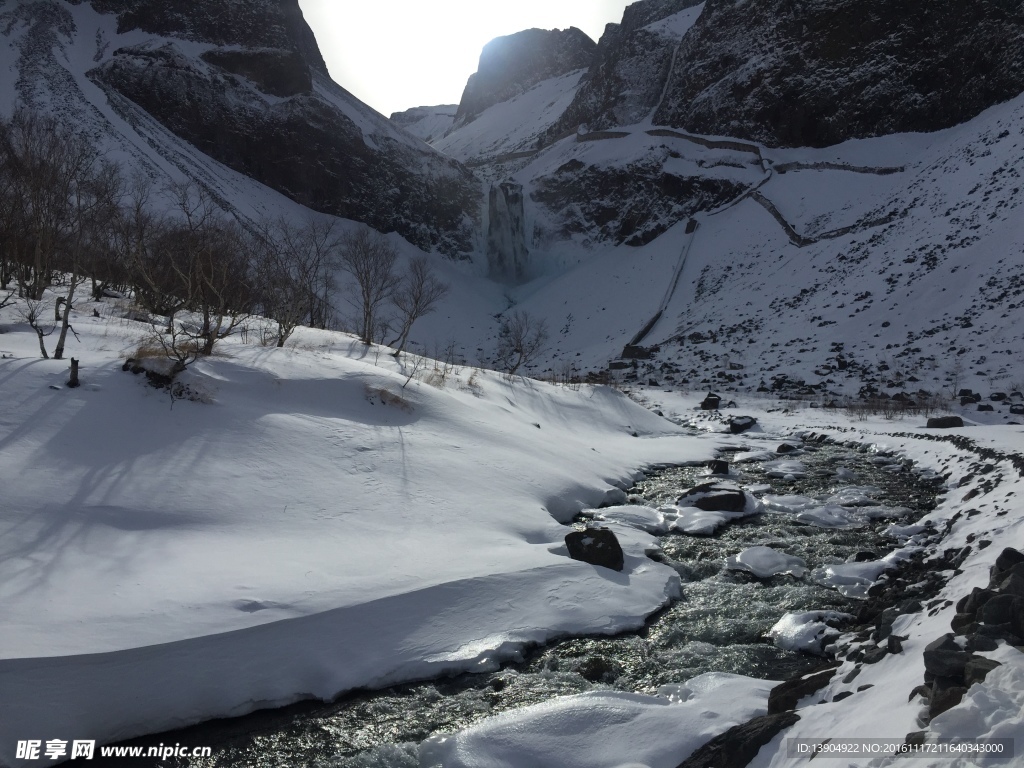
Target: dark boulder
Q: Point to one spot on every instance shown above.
(977, 670)
(598, 669)
(597, 546)
(786, 448)
(713, 498)
(944, 658)
(1005, 609)
(711, 402)
(740, 424)
(741, 743)
(785, 696)
(944, 699)
(718, 467)
(985, 407)
(945, 422)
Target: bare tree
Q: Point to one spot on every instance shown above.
(46, 161)
(214, 267)
(418, 295)
(32, 314)
(92, 211)
(294, 267)
(521, 339)
(370, 259)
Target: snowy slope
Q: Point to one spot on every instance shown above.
(323, 491)
(427, 123)
(513, 125)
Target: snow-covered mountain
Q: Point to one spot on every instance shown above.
(243, 83)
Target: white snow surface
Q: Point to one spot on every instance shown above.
(606, 729)
(324, 523)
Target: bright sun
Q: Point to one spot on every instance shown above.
(406, 53)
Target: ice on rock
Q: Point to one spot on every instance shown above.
(789, 469)
(852, 579)
(855, 496)
(806, 632)
(764, 562)
(844, 473)
(698, 522)
(635, 516)
(830, 516)
(745, 457)
(788, 503)
(902, 532)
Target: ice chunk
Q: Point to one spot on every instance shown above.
(830, 516)
(788, 503)
(807, 632)
(785, 468)
(635, 516)
(855, 496)
(764, 562)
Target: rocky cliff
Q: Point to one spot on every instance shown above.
(513, 64)
(631, 65)
(243, 81)
(818, 72)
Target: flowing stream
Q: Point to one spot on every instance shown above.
(719, 624)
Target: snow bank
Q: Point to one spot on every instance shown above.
(605, 729)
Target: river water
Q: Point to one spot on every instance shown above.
(719, 624)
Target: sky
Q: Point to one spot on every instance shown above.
(410, 53)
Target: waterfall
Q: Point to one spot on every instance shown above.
(507, 256)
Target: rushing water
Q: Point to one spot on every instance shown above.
(719, 624)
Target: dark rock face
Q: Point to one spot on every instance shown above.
(630, 205)
(597, 546)
(741, 743)
(817, 72)
(513, 64)
(267, 24)
(630, 67)
(277, 72)
(308, 147)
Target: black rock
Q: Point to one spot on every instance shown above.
(786, 448)
(977, 670)
(944, 658)
(980, 644)
(965, 393)
(875, 655)
(1004, 609)
(944, 699)
(741, 743)
(740, 424)
(597, 546)
(787, 695)
(976, 599)
(1017, 409)
(1008, 558)
(945, 422)
(1013, 584)
(712, 498)
(719, 467)
(711, 402)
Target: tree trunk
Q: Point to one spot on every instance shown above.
(73, 381)
(58, 353)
